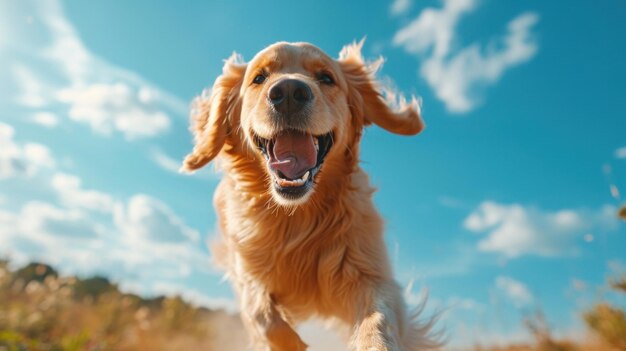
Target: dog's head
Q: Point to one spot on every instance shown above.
(298, 111)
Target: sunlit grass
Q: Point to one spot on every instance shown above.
(42, 311)
(606, 329)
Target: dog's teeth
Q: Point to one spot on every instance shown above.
(316, 142)
(295, 182)
(288, 183)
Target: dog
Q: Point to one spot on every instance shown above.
(300, 236)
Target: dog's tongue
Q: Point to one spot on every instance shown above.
(294, 153)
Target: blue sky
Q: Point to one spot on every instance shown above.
(504, 204)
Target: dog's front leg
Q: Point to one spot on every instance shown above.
(378, 326)
(263, 320)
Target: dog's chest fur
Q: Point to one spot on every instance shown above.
(305, 257)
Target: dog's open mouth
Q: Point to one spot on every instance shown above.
(294, 158)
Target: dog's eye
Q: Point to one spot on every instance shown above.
(325, 78)
(259, 79)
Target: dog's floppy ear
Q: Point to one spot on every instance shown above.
(370, 104)
(212, 115)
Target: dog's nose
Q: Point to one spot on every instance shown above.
(290, 96)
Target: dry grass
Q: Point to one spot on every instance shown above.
(606, 324)
(40, 311)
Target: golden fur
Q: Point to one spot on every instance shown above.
(322, 255)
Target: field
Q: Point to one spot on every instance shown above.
(43, 311)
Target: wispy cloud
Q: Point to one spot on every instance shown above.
(399, 7)
(464, 303)
(514, 230)
(146, 218)
(69, 189)
(45, 232)
(621, 153)
(115, 107)
(21, 159)
(142, 244)
(515, 291)
(457, 74)
(450, 202)
(65, 75)
(166, 162)
(42, 221)
(32, 92)
(46, 119)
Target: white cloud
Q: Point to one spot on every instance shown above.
(109, 107)
(46, 119)
(33, 92)
(41, 221)
(66, 49)
(433, 28)
(515, 290)
(399, 7)
(166, 162)
(155, 243)
(450, 202)
(3, 35)
(464, 303)
(616, 266)
(449, 306)
(456, 75)
(148, 218)
(68, 76)
(143, 245)
(37, 154)
(41, 231)
(515, 230)
(69, 189)
(621, 153)
(21, 159)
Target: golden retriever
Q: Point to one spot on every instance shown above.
(300, 236)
